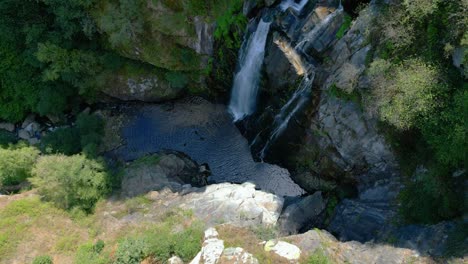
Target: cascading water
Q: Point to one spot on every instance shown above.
(296, 5)
(245, 88)
(296, 102)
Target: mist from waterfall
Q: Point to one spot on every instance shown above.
(246, 82)
(293, 4)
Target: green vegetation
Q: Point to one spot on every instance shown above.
(228, 39)
(422, 100)
(353, 96)
(90, 253)
(16, 164)
(7, 138)
(318, 257)
(42, 260)
(345, 26)
(85, 136)
(68, 182)
(160, 242)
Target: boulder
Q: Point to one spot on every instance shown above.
(7, 126)
(175, 260)
(211, 250)
(158, 171)
(302, 214)
(284, 249)
(239, 205)
(321, 242)
(237, 255)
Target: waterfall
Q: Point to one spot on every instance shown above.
(294, 104)
(293, 4)
(245, 88)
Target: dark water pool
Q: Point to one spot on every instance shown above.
(206, 133)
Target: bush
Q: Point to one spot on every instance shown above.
(91, 254)
(86, 135)
(42, 260)
(409, 94)
(161, 242)
(62, 140)
(7, 138)
(68, 182)
(131, 251)
(16, 164)
(429, 198)
(318, 257)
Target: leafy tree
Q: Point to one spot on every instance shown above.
(85, 135)
(16, 164)
(70, 181)
(410, 92)
(62, 140)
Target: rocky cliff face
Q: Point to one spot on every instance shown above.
(333, 143)
(173, 38)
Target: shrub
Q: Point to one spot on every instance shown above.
(86, 135)
(131, 251)
(6, 138)
(429, 197)
(318, 257)
(62, 140)
(410, 94)
(344, 27)
(42, 260)
(16, 164)
(91, 254)
(68, 182)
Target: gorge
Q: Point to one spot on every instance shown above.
(233, 131)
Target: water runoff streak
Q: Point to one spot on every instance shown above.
(245, 88)
(300, 97)
(296, 5)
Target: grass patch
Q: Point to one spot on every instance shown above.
(318, 257)
(17, 218)
(249, 240)
(344, 27)
(353, 96)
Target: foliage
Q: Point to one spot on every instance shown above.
(122, 21)
(62, 140)
(422, 97)
(410, 93)
(131, 251)
(50, 56)
(344, 27)
(228, 39)
(177, 79)
(318, 257)
(42, 260)
(429, 198)
(6, 138)
(68, 182)
(89, 253)
(230, 26)
(86, 135)
(160, 242)
(16, 219)
(16, 164)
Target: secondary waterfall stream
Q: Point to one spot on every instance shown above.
(296, 6)
(245, 87)
(300, 97)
